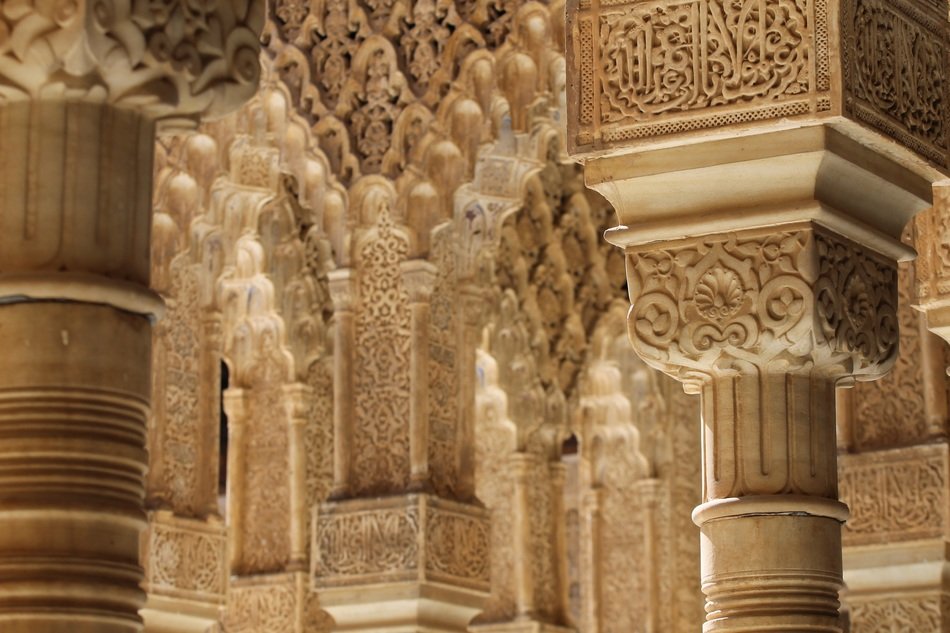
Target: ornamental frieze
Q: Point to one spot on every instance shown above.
(895, 495)
(642, 70)
(401, 539)
(186, 558)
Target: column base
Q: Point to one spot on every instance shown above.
(771, 564)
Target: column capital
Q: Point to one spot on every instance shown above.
(342, 285)
(235, 405)
(166, 60)
(798, 299)
(419, 277)
(297, 399)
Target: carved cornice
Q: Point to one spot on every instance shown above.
(169, 59)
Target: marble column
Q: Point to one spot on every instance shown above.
(762, 180)
(84, 87)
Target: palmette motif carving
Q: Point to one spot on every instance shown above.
(897, 495)
(769, 321)
(715, 304)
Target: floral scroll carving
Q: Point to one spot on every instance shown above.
(907, 613)
(381, 441)
(176, 58)
(722, 301)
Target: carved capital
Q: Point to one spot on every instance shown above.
(642, 70)
(419, 277)
(342, 286)
(297, 399)
(171, 59)
(801, 299)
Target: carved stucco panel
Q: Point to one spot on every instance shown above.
(895, 495)
(654, 68)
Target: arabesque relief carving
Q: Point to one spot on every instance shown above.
(895, 495)
(645, 70)
(407, 281)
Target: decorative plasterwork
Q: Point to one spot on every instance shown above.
(171, 59)
(896, 495)
(186, 558)
(896, 56)
(413, 538)
(649, 69)
(641, 70)
(795, 299)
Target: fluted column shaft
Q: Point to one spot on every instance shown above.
(769, 464)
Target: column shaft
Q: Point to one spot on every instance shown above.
(72, 465)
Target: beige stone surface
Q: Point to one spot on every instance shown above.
(385, 282)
